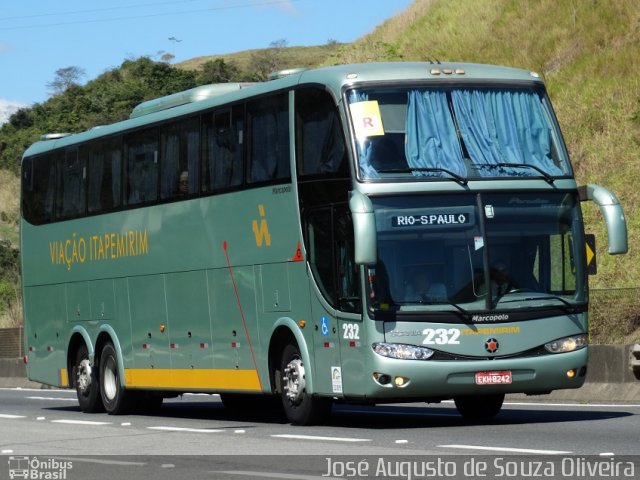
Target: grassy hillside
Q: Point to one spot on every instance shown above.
(289, 57)
(587, 51)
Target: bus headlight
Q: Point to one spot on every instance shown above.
(567, 344)
(402, 351)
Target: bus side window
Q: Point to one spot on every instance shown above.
(71, 192)
(104, 175)
(142, 167)
(268, 123)
(330, 243)
(38, 186)
(180, 150)
(320, 146)
(223, 154)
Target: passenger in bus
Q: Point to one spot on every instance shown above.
(422, 290)
(183, 187)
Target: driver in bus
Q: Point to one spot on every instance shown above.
(501, 282)
(421, 289)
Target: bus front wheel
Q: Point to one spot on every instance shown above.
(115, 398)
(477, 408)
(85, 379)
(300, 407)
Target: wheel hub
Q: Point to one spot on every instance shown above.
(84, 376)
(293, 381)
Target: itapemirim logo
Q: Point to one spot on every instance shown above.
(38, 469)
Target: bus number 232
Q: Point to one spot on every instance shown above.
(351, 331)
(441, 336)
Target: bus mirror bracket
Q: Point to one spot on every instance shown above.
(613, 215)
(364, 229)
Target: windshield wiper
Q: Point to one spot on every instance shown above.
(548, 178)
(569, 307)
(460, 179)
(465, 313)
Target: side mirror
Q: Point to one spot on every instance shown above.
(613, 215)
(364, 229)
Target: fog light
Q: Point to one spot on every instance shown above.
(400, 381)
(571, 373)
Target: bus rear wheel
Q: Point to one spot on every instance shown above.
(85, 378)
(476, 408)
(299, 407)
(116, 399)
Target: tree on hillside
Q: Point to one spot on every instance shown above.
(265, 62)
(106, 99)
(218, 71)
(65, 78)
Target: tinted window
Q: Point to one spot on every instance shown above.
(71, 193)
(268, 121)
(320, 146)
(38, 184)
(142, 167)
(180, 150)
(104, 183)
(223, 158)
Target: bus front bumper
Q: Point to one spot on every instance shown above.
(390, 378)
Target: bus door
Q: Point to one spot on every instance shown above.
(337, 320)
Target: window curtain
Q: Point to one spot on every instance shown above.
(431, 140)
(504, 127)
(364, 145)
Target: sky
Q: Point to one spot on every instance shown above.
(38, 37)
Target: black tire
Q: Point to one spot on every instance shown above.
(116, 400)
(85, 380)
(477, 408)
(299, 407)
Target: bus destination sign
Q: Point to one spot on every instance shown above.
(431, 219)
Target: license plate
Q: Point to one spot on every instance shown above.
(493, 378)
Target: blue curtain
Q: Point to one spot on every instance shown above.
(431, 140)
(364, 146)
(504, 127)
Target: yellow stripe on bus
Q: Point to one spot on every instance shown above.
(64, 378)
(207, 379)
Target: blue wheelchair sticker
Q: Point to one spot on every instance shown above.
(324, 326)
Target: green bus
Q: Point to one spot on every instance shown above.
(359, 233)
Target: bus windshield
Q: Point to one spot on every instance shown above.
(478, 252)
(456, 133)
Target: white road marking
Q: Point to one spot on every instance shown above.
(6, 451)
(402, 441)
(80, 422)
(49, 390)
(183, 429)
(508, 449)
(607, 454)
(52, 398)
(6, 415)
(330, 439)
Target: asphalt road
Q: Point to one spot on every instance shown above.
(194, 436)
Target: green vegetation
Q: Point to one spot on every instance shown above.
(586, 50)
